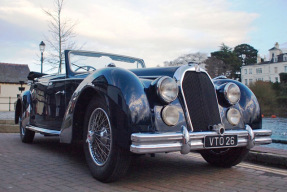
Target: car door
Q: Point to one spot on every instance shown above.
(49, 102)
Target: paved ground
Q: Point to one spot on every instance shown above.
(47, 165)
(7, 115)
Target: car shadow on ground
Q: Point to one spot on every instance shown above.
(170, 167)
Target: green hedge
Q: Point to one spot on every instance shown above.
(283, 77)
(272, 97)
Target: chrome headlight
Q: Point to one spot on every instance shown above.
(232, 93)
(167, 89)
(233, 116)
(170, 115)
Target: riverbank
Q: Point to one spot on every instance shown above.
(267, 155)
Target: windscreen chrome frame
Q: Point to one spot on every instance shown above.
(104, 54)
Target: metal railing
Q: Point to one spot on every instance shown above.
(10, 101)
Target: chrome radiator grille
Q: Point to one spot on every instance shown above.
(200, 100)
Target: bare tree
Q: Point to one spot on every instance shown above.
(216, 67)
(61, 35)
(198, 58)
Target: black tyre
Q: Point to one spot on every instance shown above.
(224, 157)
(107, 161)
(26, 135)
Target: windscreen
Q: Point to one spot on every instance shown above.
(87, 61)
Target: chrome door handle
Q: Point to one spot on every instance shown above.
(60, 92)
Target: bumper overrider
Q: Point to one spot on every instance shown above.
(186, 141)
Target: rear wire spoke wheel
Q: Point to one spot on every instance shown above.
(106, 159)
(26, 135)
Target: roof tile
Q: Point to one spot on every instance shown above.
(13, 73)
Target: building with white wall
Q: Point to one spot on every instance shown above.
(10, 77)
(267, 70)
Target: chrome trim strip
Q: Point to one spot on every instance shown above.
(179, 75)
(262, 132)
(178, 141)
(65, 79)
(68, 79)
(42, 130)
(150, 137)
(148, 77)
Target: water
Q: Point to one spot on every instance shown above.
(278, 127)
(279, 131)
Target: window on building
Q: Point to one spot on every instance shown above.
(260, 79)
(275, 59)
(276, 79)
(245, 71)
(250, 71)
(285, 68)
(284, 57)
(246, 83)
(275, 69)
(250, 81)
(259, 70)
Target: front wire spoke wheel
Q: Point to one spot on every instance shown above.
(107, 157)
(99, 136)
(224, 157)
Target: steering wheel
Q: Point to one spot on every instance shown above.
(86, 68)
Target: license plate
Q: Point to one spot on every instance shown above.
(220, 141)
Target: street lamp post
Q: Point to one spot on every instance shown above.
(42, 48)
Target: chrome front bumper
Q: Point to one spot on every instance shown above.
(185, 141)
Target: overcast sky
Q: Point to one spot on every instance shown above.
(155, 30)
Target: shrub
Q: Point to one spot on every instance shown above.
(266, 96)
(283, 77)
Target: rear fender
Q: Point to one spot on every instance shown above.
(23, 108)
(18, 109)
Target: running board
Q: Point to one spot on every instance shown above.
(42, 130)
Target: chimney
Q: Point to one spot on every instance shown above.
(277, 45)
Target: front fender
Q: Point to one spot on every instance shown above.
(125, 97)
(248, 104)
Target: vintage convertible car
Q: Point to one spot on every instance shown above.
(117, 112)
